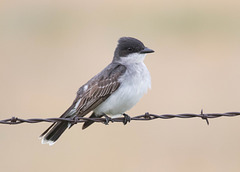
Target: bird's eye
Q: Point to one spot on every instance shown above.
(130, 49)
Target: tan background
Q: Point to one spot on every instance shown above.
(49, 49)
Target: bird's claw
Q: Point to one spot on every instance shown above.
(107, 119)
(126, 119)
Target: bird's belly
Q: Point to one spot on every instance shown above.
(126, 96)
(119, 102)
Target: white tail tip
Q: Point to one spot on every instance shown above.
(49, 142)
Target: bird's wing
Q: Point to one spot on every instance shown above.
(98, 89)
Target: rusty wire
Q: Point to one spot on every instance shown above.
(146, 117)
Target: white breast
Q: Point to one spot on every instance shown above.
(134, 83)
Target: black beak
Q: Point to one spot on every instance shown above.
(146, 50)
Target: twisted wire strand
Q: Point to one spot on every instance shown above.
(145, 117)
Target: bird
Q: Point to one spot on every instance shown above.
(112, 92)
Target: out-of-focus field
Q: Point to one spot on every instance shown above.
(49, 49)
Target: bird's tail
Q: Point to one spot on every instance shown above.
(51, 135)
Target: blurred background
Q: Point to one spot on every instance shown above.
(46, 53)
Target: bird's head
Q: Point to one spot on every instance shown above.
(130, 50)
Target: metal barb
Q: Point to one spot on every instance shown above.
(147, 115)
(13, 119)
(75, 120)
(204, 116)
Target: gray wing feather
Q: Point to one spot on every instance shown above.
(99, 89)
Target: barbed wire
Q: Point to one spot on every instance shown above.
(145, 117)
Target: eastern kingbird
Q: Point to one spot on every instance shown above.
(113, 91)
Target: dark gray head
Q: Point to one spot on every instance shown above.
(127, 46)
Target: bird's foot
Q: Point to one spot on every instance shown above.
(126, 119)
(107, 119)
